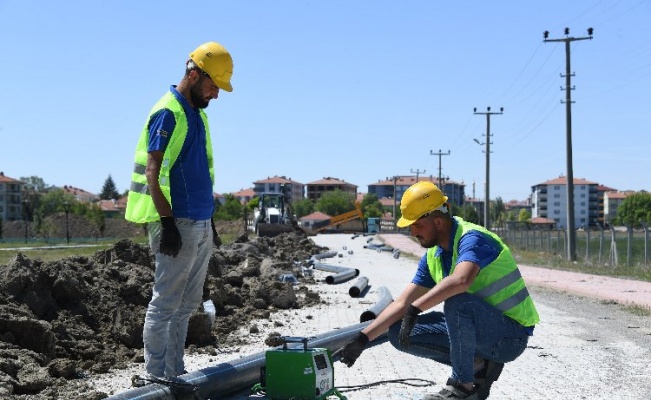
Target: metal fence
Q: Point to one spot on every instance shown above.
(617, 246)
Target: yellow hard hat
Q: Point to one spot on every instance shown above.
(217, 62)
(419, 199)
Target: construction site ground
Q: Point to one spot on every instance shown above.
(590, 344)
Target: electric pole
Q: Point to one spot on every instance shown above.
(571, 233)
(417, 172)
(440, 154)
(395, 202)
(487, 113)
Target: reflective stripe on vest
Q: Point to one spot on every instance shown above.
(500, 283)
(140, 205)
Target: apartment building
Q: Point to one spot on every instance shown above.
(549, 200)
(328, 184)
(385, 188)
(11, 198)
(612, 201)
(273, 185)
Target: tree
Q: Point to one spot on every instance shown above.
(497, 211)
(470, 214)
(371, 206)
(231, 210)
(634, 209)
(109, 192)
(33, 183)
(335, 202)
(524, 215)
(303, 207)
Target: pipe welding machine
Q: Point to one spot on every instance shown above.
(297, 373)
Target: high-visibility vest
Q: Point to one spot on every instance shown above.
(140, 205)
(499, 283)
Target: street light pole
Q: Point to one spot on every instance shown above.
(66, 207)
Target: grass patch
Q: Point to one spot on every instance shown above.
(541, 259)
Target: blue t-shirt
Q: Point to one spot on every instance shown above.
(474, 246)
(190, 183)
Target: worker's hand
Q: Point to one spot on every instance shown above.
(408, 323)
(170, 240)
(217, 241)
(352, 350)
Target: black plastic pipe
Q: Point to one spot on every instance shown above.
(383, 302)
(358, 287)
(234, 376)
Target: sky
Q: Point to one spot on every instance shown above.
(356, 90)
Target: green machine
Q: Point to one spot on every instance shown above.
(298, 372)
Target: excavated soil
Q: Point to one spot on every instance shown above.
(64, 320)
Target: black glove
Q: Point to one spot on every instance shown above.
(170, 240)
(408, 323)
(216, 240)
(352, 350)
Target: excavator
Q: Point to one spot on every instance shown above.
(273, 215)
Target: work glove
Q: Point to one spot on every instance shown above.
(352, 350)
(170, 240)
(408, 323)
(217, 241)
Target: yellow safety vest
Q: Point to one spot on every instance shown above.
(499, 283)
(140, 205)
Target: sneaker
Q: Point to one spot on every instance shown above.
(146, 379)
(485, 377)
(453, 390)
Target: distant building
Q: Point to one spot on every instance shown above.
(309, 220)
(612, 201)
(317, 188)
(385, 188)
(80, 195)
(244, 195)
(110, 208)
(273, 185)
(11, 198)
(549, 200)
(601, 190)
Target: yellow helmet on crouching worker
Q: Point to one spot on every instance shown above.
(217, 62)
(419, 199)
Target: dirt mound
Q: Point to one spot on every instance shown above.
(63, 320)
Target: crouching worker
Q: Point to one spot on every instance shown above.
(487, 315)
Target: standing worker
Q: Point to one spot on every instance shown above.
(172, 192)
(487, 315)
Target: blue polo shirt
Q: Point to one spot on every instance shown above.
(190, 183)
(474, 246)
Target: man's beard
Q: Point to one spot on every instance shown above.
(197, 100)
(428, 244)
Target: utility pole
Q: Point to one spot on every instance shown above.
(487, 113)
(417, 172)
(395, 201)
(440, 154)
(571, 233)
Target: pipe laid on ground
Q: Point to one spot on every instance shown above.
(342, 273)
(358, 287)
(231, 377)
(383, 302)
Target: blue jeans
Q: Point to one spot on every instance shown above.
(467, 327)
(178, 290)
